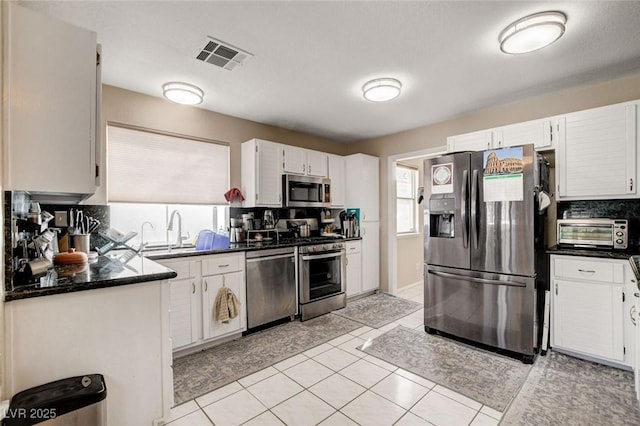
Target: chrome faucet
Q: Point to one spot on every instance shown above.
(142, 244)
(170, 228)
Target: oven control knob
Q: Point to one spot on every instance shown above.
(619, 241)
(619, 234)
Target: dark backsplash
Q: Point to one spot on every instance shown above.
(613, 209)
(17, 228)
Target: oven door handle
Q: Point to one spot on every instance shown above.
(280, 256)
(322, 256)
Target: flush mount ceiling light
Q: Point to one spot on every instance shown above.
(182, 93)
(381, 89)
(532, 32)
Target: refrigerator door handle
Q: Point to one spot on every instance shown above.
(477, 280)
(474, 208)
(463, 208)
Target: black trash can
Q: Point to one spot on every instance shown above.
(74, 401)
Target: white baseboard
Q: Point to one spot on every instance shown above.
(407, 287)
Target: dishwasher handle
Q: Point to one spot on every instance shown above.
(278, 256)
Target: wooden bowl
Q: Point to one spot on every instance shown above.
(71, 257)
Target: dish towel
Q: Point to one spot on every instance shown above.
(232, 194)
(226, 306)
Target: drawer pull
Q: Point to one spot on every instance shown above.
(587, 271)
(226, 265)
(636, 294)
(193, 288)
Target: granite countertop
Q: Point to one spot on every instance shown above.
(107, 271)
(239, 247)
(104, 272)
(608, 254)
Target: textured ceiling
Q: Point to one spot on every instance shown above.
(312, 57)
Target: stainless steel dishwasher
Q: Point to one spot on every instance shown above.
(271, 285)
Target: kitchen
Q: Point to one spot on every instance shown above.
(151, 112)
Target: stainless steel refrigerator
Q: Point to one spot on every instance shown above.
(482, 232)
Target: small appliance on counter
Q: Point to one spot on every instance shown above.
(600, 233)
(236, 232)
(350, 223)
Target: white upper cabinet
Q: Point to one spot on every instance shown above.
(294, 160)
(261, 173)
(317, 163)
(541, 133)
(598, 156)
(52, 93)
(303, 161)
(337, 176)
(362, 184)
(474, 141)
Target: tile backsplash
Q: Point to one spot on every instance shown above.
(613, 209)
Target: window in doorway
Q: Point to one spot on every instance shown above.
(406, 206)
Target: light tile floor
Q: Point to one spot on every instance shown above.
(335, 384)
(413, 292)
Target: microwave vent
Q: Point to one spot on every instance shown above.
(222, 54)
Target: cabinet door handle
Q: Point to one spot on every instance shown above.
(556, 289)
(193, 288)
(309, 168)
(587, 271)
(631, 184)
(206, 286)
(347, 262)
(632, 314)
(304, 168)
(636, 294)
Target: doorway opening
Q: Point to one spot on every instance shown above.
(406, 239)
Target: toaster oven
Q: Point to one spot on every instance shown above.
(593, 233)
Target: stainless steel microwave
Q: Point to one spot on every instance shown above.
(594, 233)
(306, 191)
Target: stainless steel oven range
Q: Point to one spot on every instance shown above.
(322, 273)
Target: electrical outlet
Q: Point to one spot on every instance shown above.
(61, 219)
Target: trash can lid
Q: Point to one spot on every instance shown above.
(59, 397)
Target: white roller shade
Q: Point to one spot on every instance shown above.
(145, 167)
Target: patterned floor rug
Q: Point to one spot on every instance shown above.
(200, 373)
(562, 390)
(489, 378)
(378, 310)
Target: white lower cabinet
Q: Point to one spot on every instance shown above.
(370, 233)
(232, 278)
(591, 309)
(354, 268)
(193, 294)
(185, 297)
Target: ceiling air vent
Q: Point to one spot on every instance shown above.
(222, 54)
